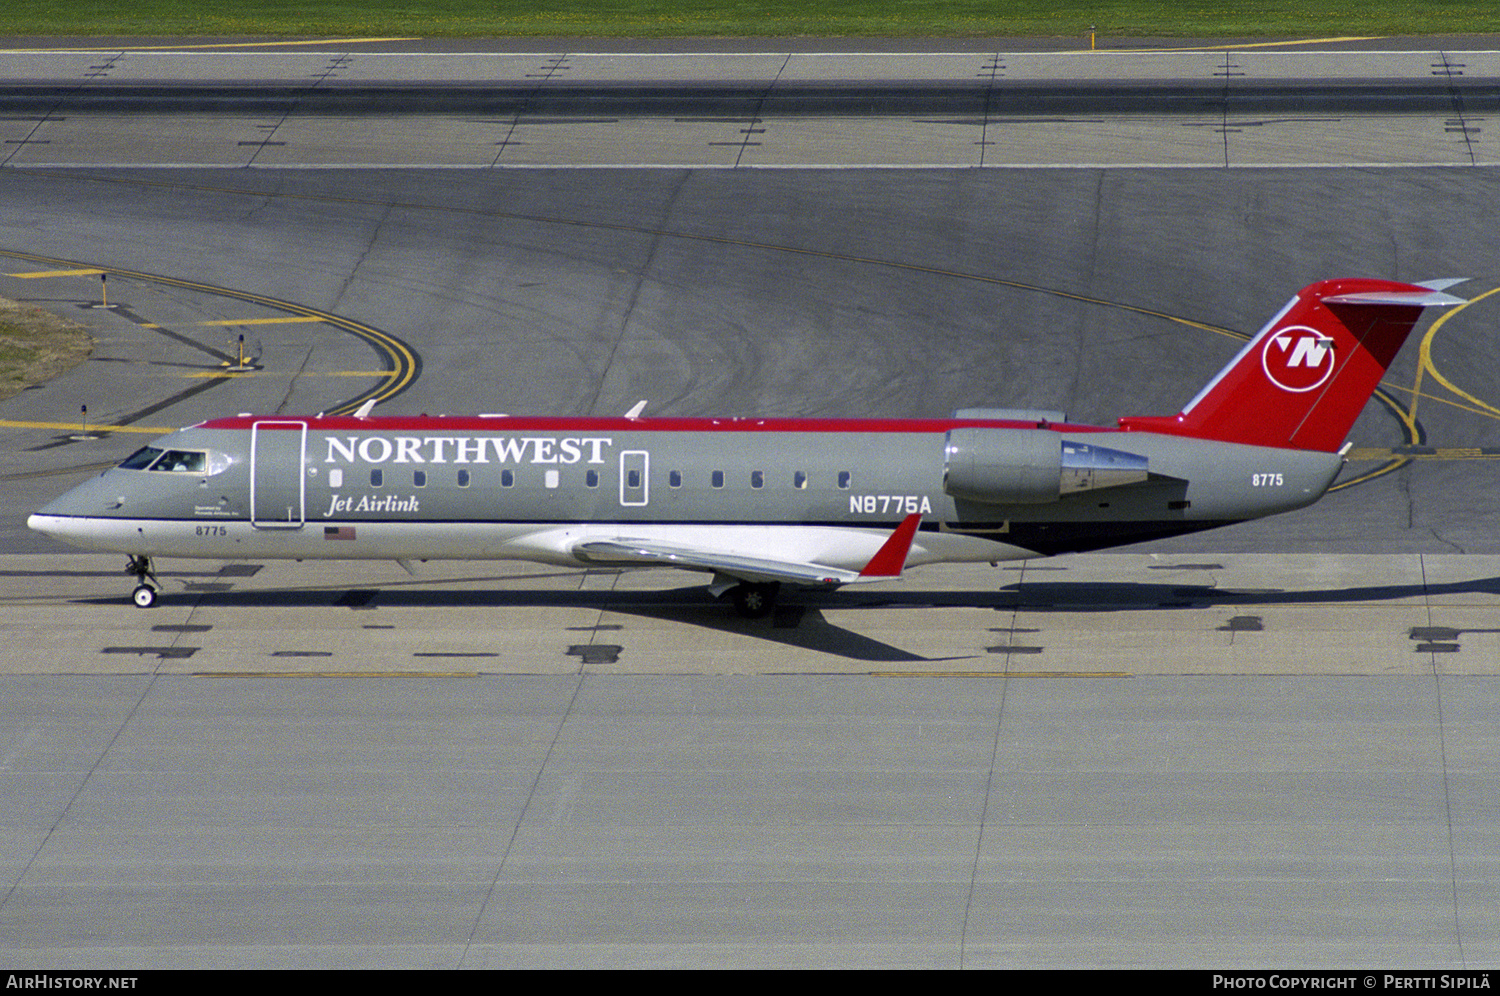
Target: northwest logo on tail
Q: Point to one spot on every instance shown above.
(1297, 358)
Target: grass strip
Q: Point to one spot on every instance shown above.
(739, 18)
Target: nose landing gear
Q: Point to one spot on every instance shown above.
(144, 595)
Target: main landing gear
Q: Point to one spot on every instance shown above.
(144, 595)
(754, 600)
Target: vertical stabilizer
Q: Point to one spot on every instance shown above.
(1303, 379)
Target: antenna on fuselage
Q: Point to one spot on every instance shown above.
(364, 410)
(636, 409)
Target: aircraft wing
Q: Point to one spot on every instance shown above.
(887, 563)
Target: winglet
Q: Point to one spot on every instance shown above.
(890, 559)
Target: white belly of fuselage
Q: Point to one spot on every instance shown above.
(849, 547)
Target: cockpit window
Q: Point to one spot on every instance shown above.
(182, 461)
(141, 458)
(191, 461)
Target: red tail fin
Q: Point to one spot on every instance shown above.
(1303, 379)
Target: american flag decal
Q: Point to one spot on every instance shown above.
(338, 532)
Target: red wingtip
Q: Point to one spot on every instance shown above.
(890, 559)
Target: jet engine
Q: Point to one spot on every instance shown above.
(1031, 466)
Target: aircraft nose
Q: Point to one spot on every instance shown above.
(73, 513)
(46, 524)
(89, 498)
(75, 516)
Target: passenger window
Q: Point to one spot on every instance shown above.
(633, 479)
(419, 478)
(591, 478)
(507, 478)
(463, 478)
(845, 479)
(757, 478)
(717, 480)
(377, 478)
(799, 480)
(674, 479)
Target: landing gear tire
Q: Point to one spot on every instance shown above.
(754, 601)
(144, 595)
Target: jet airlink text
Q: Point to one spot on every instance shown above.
(383, 503)
(468, 449)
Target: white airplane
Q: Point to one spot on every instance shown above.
(761, 502)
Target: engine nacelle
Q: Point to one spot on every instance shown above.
(1031, 466)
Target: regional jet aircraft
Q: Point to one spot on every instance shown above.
(761, 502)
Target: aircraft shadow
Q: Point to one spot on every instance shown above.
(1126, 596)
(799, 620)
(793, 623)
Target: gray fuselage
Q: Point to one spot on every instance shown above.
(481, 487)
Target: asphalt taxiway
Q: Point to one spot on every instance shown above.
(279, 107)
(1267, 746)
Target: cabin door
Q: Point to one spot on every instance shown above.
(278, 474)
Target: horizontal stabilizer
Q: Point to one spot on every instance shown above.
(1410, 299)
(1442, 284)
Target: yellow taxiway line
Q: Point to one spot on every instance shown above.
(1425, 365)
(335, 674)
(264, 321)
(155, 430)
(1001, 674)
(1245, 45)
(405, 364)
(184, 48)
(53, 273)
(229, 374)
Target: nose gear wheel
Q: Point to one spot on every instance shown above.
(144, 595)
